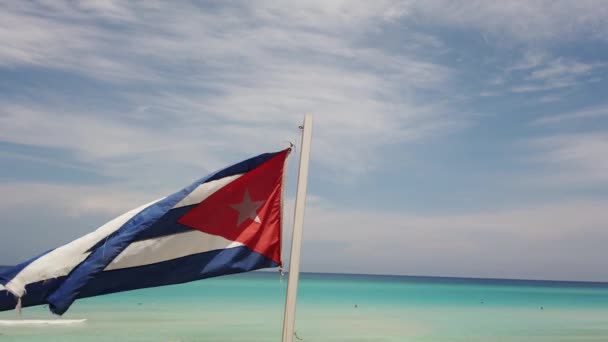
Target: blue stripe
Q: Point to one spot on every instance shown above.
(242, 167)
(181, 270)
(7, 301)
(167, 225)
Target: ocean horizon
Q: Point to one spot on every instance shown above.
(336, 307)
(455, 278)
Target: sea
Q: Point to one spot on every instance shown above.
(335, 307)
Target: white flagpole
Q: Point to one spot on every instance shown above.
(296, 243)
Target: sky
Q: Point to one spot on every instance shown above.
(451, 138)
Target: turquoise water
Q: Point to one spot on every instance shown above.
(249, 307)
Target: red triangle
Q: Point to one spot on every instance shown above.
(219, 213)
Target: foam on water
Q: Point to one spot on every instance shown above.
(30, 322)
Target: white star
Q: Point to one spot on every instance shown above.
(247, 209)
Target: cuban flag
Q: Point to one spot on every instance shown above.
(228, 222)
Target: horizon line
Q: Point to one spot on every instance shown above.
(605, 282)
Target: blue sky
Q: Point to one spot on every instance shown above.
(458, 138)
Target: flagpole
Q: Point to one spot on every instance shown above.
(296, 242)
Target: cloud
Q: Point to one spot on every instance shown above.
(72, 200)
(576, 159)
(577, 115)
(81, 36)
(560, 69)
(110, 147)
(540, 241)
(60, 35)
(522, 21)
(541, 72)
(247, 72)
(531, 59)
(550, 98)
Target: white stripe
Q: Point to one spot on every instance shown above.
(170, 247)
(205, 190)
(62, 260)
(1, 287)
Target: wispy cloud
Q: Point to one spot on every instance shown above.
(560, 69)
(576, 159)
(581, 114)
(243, 71)
(523, 21)
(109, 147)
(541, 73)
(74, 200)
(530, 60)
